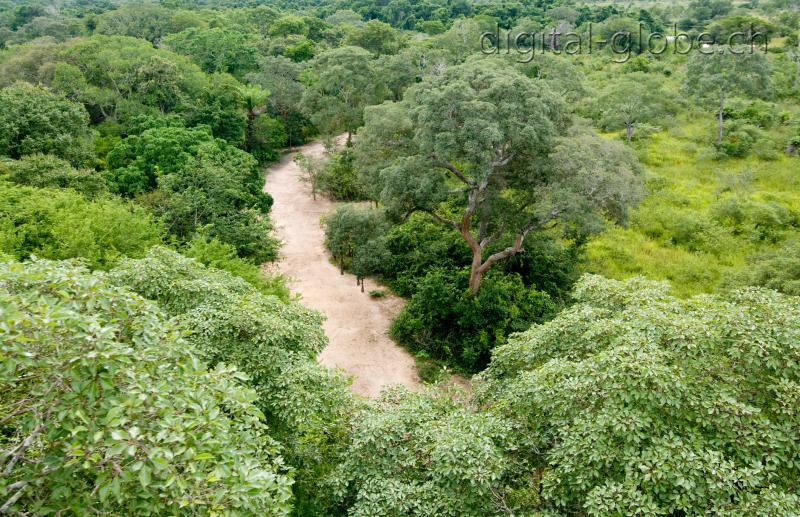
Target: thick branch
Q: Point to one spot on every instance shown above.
(443, 220)
(14, 455)
(456, 172)
(489, 239)
(502, 161)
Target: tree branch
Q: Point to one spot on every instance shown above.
(443, 220)
(456, 172)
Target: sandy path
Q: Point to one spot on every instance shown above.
(356, 324)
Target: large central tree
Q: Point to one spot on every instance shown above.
(479, 148)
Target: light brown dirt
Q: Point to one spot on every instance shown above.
(356, 324)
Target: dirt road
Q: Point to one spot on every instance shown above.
(356, 324)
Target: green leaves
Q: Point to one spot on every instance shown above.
(344, 82)
(34, 120)
(634, 399)
(422, 454)
(274, 344)
(142, 429)
(61, 224)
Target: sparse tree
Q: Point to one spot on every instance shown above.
(720, 72)
(634, 100)
(312, 169)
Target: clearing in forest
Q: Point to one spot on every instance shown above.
(357, 324)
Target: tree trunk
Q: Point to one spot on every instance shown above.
(341, 266)
(286, 125)
(475, 270)
(720, 126)
(362, 285)
(249, 131)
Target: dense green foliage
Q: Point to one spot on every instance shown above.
(275, 343)
(150, 366)
(633, 399)
(45, 170)
(33, 120)
(62, 224)
(447, 322)
(111, 409)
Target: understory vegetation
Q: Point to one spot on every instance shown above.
(606, 252)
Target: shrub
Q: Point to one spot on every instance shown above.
(350, 227)
(776, 269)
(42, 170)
(61, 224)
(755, 112)
(339, 179)
(739, 139)
(448, 323)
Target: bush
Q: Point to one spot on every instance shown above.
(755, 112)
(61, 224)
(217, 254)
(111, 409)
(339, 179)
(448, 323)
(350, 227)
(776, 269)
(756, 220)
(43, 170)
(739, 139)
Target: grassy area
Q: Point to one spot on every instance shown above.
(702, 217)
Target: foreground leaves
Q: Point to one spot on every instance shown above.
(105, 407)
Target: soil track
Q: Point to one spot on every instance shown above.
(356, 324)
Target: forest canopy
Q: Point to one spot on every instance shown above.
(589, 260)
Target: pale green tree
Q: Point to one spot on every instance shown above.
(720, 72)
(342, 83)
(637, 99)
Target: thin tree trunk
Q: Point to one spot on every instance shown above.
(248, 132)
